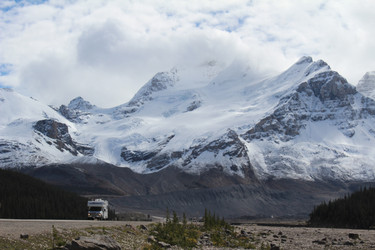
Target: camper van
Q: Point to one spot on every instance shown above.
(97, 209)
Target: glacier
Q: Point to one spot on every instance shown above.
(306, 123)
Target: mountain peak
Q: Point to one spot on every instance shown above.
(159, 82)
(366, 85)
(328, 85)
(304, 59)
(79, 103)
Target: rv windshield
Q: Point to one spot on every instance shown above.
(95, 208)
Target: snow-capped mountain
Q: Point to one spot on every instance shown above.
(305, 123)
(24, 139)
(366, 85)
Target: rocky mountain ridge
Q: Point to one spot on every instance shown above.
(306, 123)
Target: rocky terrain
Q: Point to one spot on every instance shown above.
(130, 235)
(310, 238)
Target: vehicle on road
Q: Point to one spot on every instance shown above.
(97, 209)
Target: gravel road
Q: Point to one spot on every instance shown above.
(11, 228)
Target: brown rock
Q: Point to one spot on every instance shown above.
(24, 236)
(353, 236)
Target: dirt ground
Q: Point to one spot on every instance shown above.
(10, 228)
(311, 238)
(285, 237)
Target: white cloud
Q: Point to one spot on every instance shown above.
(106, 50)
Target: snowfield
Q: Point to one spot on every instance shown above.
(305, 123)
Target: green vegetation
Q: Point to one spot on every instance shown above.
(24, 197)
(175, 233)
(57, 239)
(188, 235)
(355, 211)
(128, 237)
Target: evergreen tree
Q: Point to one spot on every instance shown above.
(24, 197)
(354, 211)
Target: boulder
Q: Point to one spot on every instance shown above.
(100, 242)
(353, 236)
(24, 236)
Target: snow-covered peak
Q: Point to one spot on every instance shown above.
(305, 68)
(15, 106)
(161, 81)
(79, 103)
(366, 85)
(22, 141)
(304, 60)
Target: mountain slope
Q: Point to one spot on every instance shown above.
(227, 195)
(305, 123)
(324, 129)
(32, 133)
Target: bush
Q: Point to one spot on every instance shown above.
(176, 233)
(187, 235)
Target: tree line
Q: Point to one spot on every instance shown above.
(354, 211)
(24, 197)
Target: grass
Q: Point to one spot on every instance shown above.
(214, 231)
(182, 235)
(127, 237)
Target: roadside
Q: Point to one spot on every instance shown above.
(11, 228)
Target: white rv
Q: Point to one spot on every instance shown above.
(97, 209)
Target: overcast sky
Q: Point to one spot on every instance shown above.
(105, 50)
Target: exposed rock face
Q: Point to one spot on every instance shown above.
(154, 158)
(57, 131)
(329, 86)
(366, 85)
(194, 105)
(227, 153)
(71, 115)
(61, 138)
(85, 149)
(78, 110)
(322, 107)
(327, 96)
(79, 103)
(14, 153)
(134, 156)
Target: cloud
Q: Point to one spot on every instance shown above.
(106, 50)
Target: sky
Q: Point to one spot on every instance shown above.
(104, 51)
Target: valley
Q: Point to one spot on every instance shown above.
(216, 135)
